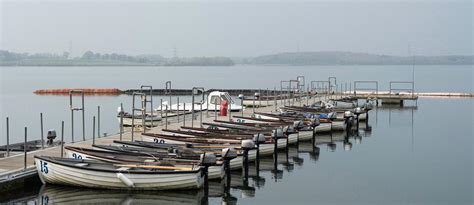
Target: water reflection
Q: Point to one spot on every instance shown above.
(50, 194)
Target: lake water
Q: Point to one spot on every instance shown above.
(412, 155)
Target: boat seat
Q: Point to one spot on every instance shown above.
(82, 164)
(123, 168)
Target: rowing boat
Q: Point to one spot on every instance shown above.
(215, 172)
(93, 174)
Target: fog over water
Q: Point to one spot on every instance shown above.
(230, 28)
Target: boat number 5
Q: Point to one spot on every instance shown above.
(44, 167)
(76, 156)
(160, 141)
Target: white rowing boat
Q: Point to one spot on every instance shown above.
(214, 172)
(91, 174)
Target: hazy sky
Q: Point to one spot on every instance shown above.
(237, 28)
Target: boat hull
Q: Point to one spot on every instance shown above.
(51, 172)
(214, 172)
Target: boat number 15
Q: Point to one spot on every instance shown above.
(44, 167)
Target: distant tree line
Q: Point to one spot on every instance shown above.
(90, 58)
(106, 59)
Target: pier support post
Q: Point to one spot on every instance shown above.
(143, 109)
(192, 106)
(93, 131)
(275, 98)
(98, 121)
(253, 105)
(230, 110)
(241, 97)
(200, 107)
(83, 120)
(24, 147)
(167, 92)
(177, 108)
(184, 114)
(133, 114)
(42, 134)
(121, 121)
(256, 96)
(62, 139)
(8, 137)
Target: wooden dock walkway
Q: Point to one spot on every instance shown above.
(12, 168)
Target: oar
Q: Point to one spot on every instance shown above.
(153, 167)
(208, 146)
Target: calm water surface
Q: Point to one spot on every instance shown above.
(23, 107)
(414, 155)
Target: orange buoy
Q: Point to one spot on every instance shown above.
(89, 91)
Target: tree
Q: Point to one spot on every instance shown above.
(88, 55)
(65, 55)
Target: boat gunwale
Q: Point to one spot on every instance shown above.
(55, 161)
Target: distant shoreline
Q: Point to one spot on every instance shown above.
(322, 58)
(262, 65)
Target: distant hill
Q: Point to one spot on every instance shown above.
(351, 58)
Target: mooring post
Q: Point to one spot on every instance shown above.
(168, 92)
(83, 120)
(200, 107)
(98, 121)
(143, 108)
(192, 106)
(267, 94)
(200, 117)
(177, 100)
(161, 110)
(151, 107)
(253, 104)
(184, 114)
(121, 121)
(8, 137)
(192, 111)
(24, 146)
(215, 108)
(93, 131)
(275, 98)
(62, 139)
(230, 109)
(166, 117)
(72, 116)
(207, 106)
(42, 135)
(133, 114)
(168, 109)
